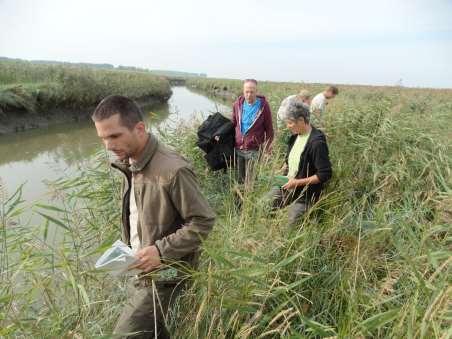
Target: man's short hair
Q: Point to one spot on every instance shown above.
(128, 110)
(304, 94)
(333, 89)
(254, 81)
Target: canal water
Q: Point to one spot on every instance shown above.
(36, 156)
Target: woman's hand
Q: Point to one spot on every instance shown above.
(293, 183)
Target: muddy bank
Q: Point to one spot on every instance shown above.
(16, 121)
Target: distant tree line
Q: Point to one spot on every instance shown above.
(109, 66)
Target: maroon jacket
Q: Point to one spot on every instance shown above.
(260, 132)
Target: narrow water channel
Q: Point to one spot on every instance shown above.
(34, 156)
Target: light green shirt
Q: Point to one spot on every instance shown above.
(295, 154)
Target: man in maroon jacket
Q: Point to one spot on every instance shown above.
(252, 120)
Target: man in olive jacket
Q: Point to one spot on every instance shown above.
(164, 214)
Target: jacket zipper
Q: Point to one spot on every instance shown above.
(240, 123)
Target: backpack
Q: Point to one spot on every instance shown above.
(218, 153)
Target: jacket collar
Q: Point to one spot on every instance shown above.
(315, 134)
(240, 101)
(149, 150)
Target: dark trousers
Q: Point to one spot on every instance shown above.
(144, 313)
(280, 198)
(245, 162)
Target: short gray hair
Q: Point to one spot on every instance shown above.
(293, 108)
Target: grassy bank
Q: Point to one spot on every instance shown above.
(372, 259)
(29, 87)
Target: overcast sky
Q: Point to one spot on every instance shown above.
(357, 41)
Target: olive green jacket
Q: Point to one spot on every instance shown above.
(173, 214)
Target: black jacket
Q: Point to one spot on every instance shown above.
(218, 153)
(314, 160)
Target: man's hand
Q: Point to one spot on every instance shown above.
(149, 259)
(293, 183)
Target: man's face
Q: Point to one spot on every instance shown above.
(329, 95)
(296, 126)
(117, 138)
(249, 91)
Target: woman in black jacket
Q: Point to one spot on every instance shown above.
(307, 164)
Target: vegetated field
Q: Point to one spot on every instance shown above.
(371, 260)
(25, 86)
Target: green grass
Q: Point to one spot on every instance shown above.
(371, 260)
(37, 87)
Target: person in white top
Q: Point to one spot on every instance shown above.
(320, 101)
